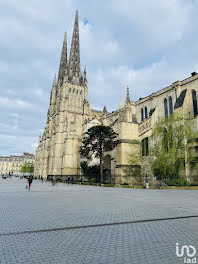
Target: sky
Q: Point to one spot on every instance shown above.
(146, 45)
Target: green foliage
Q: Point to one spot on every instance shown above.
(27, 168)
(84, 168)
(93, 180)
(98, 140)
(91, 173)
(177, 182)
(170, 150)
(94, 173)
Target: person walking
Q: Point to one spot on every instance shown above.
(30, 181)
(54, 180)
(72, 180)
(68, 180)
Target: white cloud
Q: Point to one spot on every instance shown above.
(16, 103)
(144, 44)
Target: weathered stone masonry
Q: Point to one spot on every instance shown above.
(70, 115)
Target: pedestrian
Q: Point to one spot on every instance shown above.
(30, 181)
(42, 179)
(68, 180)
(72, 180)
(54, 180)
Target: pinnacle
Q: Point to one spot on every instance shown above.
(63, 60)
(128, 96)
(121, 105)
(105, 110)
(65, 37)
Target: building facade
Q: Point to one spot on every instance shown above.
(70, 115)
(11, 165)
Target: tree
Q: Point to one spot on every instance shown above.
(84, 168)
(27, 168)
(98, 140)
(170, 151)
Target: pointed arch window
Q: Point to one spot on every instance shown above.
(170, 105)
(142, 114)
(146, 112)
(194, 98)
(165, 108)
(145, 147)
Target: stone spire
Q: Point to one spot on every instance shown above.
(63, 61)
(74, 59)
(127, 97)
(121, 105)
(53, 90)
(53, 97)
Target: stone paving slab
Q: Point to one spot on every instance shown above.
(62, 205)
(147, 243)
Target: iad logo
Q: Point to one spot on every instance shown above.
(188, 252)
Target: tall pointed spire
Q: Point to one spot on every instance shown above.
(53, 89)
(127, 97)
(63, 61)
(53, 96)
(74, 59)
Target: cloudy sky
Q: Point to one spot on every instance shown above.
(144, 44)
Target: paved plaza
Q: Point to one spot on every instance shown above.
(77, 224)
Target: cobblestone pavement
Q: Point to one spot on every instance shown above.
(67, 224)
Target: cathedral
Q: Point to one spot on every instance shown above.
(70, 115)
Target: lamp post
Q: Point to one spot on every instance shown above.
(114, 169)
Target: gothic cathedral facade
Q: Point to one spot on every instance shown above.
(70, 115)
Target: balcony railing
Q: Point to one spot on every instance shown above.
(144, 126)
